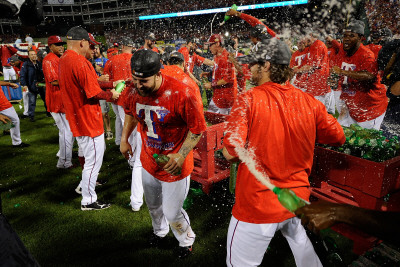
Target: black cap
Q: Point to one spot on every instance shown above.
(14, 58)
(150, 36)
(259, 31)
(272, 50)
(145, 63)
(356, 26)
(126, 41)
(176, 55)
(77, 33)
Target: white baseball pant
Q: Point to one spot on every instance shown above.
(338, 102)
(165, 201)
(65, 140)
(346, 120)
(248, 242)
(137, 172)
(15, 131)
(9, 74)
(328, 100)
(93, 151)
(213, 108)
(118, 110)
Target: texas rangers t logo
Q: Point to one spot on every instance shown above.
(149, 119)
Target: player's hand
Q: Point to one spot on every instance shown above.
(318, 215)
(337, 70)
(4, 118)
(207, 85)
(328, 38)
(117, 82)
(174, 165)
(13, 85)
(232, 12)
(126, 149)
(115, 94)
(104, 78)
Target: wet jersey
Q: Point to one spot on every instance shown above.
(53, 93)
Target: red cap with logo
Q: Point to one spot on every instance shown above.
(54, 39)
(214, 38)
(92, 40)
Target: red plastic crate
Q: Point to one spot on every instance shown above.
(375, 179)
(208, 169)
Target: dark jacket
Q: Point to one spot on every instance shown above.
(31, 74)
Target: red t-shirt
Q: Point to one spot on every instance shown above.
(317, 81)
(299, 60)
(331, 56)
(53, 93)
(279, 124)
(224, 95)
(178, 74)
(4, 103)
(364, 100)
(242, 78)
(78, 85)
(375, 49)
(6, 52)
(165, 119)
(112, 52)
(119, 68)
(191, 60)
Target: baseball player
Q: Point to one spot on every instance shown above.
(8, 110)
(171, 123)
(54, 101)
(81, 92)
(119, 68)
(149, 42)
(292, 120)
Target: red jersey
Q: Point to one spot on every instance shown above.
(78, 85)
(317, 80)
(4, 103)
(299, 60)
(6, 52)
(178, 74)
(254, 21)
(375, 49)
(53, 93)
(365, 101)
(224, 95)
(331, 56)
(191, 60)
(112, 52)
(119, 68)
(292, 121)
(165, 119)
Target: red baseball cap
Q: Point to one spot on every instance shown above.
(92, 40)
(214, 38)
(54, 39)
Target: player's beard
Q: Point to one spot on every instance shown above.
(146, 91)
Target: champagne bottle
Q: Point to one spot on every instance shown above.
(162, 160)
(226, 18)
(120, 87)
(40, 85)
(6, 126)
(289, 199)
(232, 176)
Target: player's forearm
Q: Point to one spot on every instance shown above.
(221, 82)
(194, 78)
(130, 124)
(189, 143)
(55, 83)
(208, 62)
(395, 88)
(361, 76)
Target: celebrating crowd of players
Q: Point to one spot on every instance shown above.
(161, 112)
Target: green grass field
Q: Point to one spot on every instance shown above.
(43, 208)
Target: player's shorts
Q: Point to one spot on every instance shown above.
(105, 107)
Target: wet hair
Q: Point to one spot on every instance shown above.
(280, 73)
(175, 61)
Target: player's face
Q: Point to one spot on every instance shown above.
(255, 70)
(150, 43)
(57, 49)
(350, 40)
(214, 48)
(90, 52)
(96, 52)
(301, 45)
(145, 86)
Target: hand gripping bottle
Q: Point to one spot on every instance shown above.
(289, 199)
(226, 18)
(6, 126)
(162, 160)
(120, 87)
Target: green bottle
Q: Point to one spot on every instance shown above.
(234, 7)
(40, 85)
(120, 87)
(6, 126)
(162, 160)
(232, 176)
(289, 199)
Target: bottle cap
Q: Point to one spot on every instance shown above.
(155, 155)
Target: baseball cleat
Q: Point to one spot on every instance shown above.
(183, 252)
(135, 209)
(78, 190)
(95, 206)
(155, 240)
(21, 145)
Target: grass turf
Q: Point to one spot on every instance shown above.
(43, 208)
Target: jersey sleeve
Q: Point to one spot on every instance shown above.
(50, 71)
(254, 21)
(107, 69)
(198, 60)
(129, 102)
(237, 125)
(193, 113)
(368, 63)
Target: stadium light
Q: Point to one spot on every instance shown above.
(222, 9)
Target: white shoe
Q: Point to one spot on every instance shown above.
(78, 190)
(135, 209)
